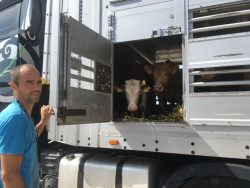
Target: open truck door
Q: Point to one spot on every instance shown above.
(85, 75)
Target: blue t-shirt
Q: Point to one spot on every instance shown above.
(18, 137)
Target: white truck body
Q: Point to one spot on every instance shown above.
(216, 123)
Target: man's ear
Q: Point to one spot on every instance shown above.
(12, 85)
(148, 69)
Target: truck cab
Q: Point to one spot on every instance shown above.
(21, 39)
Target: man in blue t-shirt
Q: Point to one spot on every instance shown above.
(18, 148)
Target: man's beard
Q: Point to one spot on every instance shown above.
(32, 98)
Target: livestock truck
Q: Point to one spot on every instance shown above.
(86, 50)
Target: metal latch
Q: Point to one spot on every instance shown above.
(63, 112)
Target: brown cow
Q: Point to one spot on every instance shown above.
(167, 84)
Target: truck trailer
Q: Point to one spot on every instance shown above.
(87, 50)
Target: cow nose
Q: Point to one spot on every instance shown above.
(158, 88)
(132, 108)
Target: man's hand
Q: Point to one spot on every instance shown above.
(46, 112)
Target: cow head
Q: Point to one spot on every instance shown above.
(161, 73)
(132, 90)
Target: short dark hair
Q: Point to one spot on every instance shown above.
(15, 73)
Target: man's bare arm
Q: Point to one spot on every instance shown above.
(46, 112)
(11, 171)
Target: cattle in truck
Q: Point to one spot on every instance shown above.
(132, 94)
(167, 84)
(135, 91)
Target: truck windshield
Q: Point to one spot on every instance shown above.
(9, 19)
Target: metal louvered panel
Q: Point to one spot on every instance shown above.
(219, 20)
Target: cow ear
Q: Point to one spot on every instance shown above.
(118, 89)
(173, 69)
(148, 69)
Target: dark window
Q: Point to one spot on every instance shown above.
(9, 19)
(7, 3)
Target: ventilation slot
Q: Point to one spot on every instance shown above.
(220, 79)
(220, 21)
